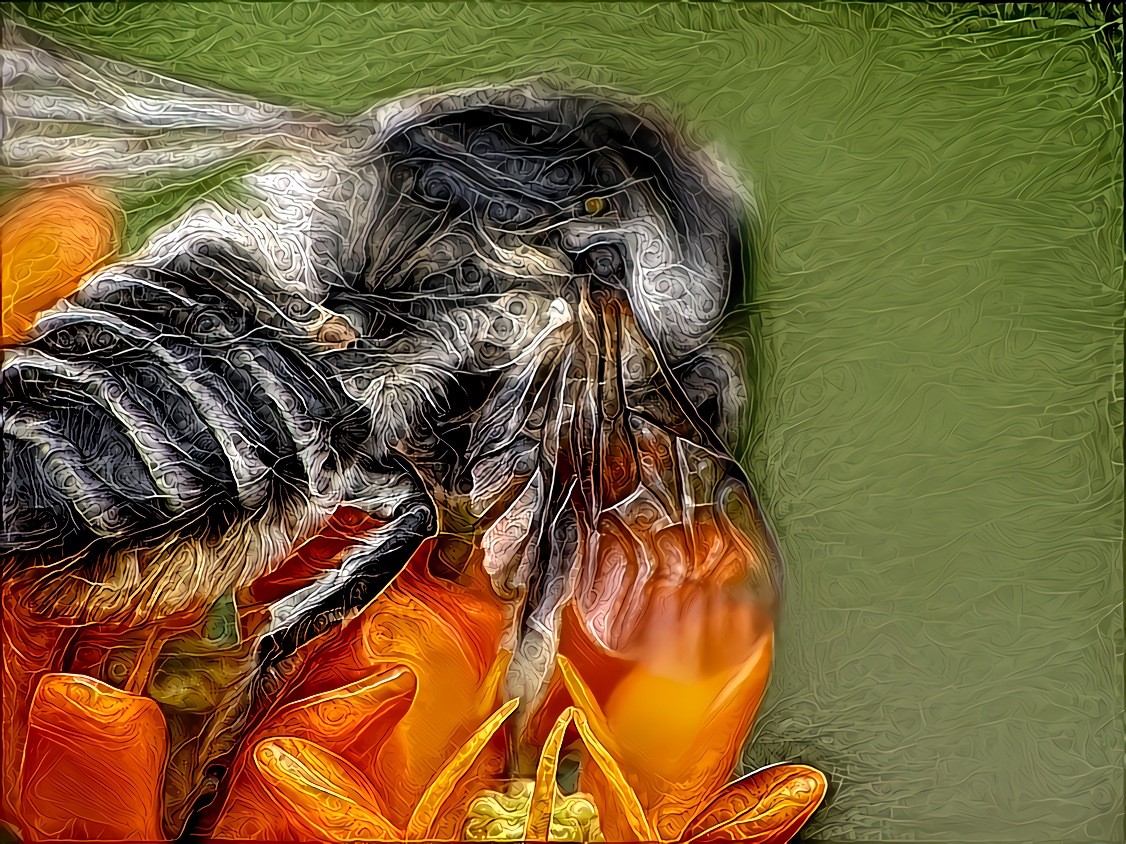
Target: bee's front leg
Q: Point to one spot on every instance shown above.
(364, 572)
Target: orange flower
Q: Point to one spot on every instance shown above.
(395, 729)
(397, 693)
(302, 789)
(414, 749)
(51, 237)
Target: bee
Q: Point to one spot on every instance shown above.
(492, 311)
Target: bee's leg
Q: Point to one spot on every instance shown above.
(362, 575)
(715, 384)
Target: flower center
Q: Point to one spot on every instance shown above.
(503, 816)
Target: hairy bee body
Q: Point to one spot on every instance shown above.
(399, 311)
(485, 316)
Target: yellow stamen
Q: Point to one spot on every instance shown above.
(419, 826)
(580, 692)
(590, 720)
(627, 797)
(542, 807)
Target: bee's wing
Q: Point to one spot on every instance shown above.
(66, 115)
(251, 273)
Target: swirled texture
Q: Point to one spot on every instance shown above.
(939, 327)
(502, 816)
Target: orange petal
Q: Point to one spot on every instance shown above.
(579, 691)
(351, 722)
(595, 733)
(51, 238)
(766, 807)
(448, 634)
(94, 763)
(30, 646)
(419, 827)
(327, 798)
(677, 738)
(665, 720)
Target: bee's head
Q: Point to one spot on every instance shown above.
(547, 272)
(507, 199)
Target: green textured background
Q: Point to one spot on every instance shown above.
(938, 329)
